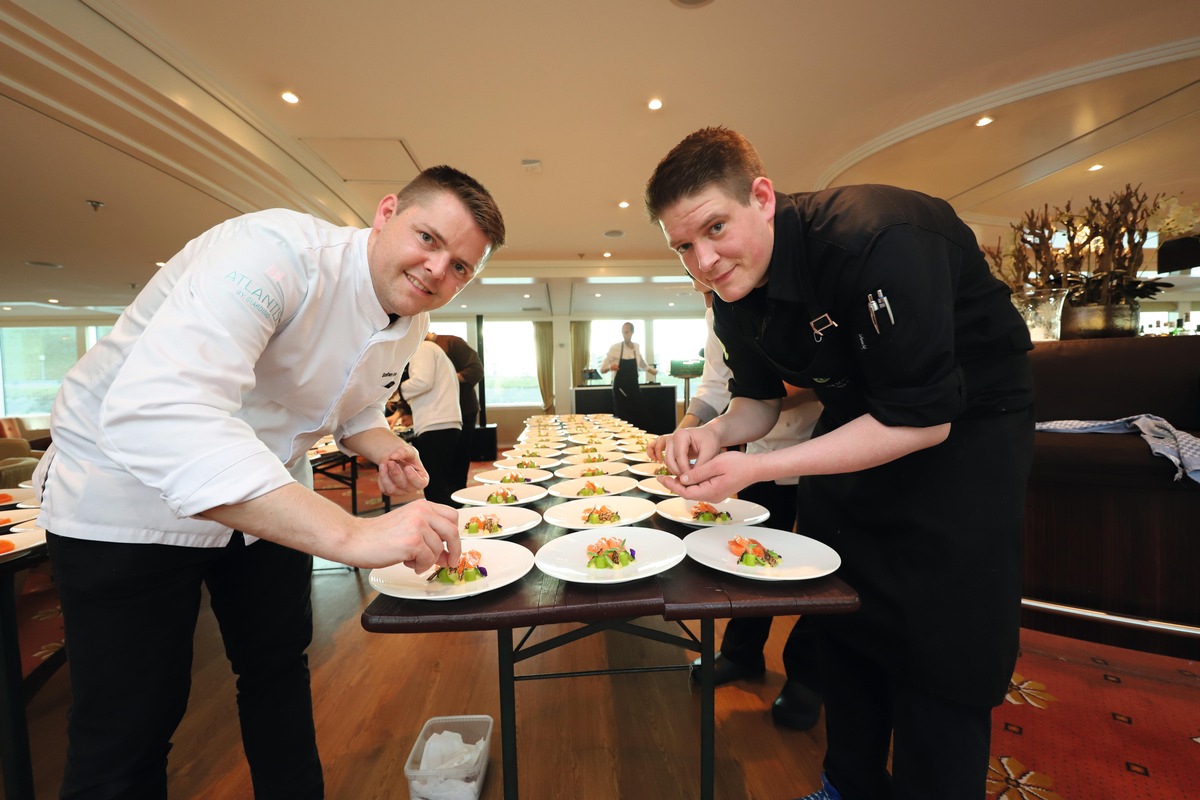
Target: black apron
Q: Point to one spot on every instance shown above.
(626, 394)
(931, 541)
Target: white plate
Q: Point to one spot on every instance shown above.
(524, 452)
(803, 558)
(639, 458)
(498, 475)
(638, 441)
(24, 539)
(478, 495)
(505, 563)
(539, 462)
(679, 509)
(513, 520)
(598, 447)
(647, 469)
(591, 437)
(566, 557)
(577, 470)
(652, 485)
(25, 485)
(18, 496)
(570, 514)
(540, 441)
(582, 458)
(16, 516)
(611, 484)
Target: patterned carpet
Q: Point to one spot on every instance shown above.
(1086, 721)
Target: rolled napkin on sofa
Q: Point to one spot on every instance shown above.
(1181, 448)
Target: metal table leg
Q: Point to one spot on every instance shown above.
(508, 712)
(707, 709)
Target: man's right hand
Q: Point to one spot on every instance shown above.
(419, 535)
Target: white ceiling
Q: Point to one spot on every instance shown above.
(169, 114)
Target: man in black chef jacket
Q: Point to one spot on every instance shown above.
(879, 299)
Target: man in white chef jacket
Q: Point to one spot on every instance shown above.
(179, 459)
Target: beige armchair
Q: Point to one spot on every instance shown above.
(17, 462)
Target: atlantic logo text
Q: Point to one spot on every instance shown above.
(256, 296)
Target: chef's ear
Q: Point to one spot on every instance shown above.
(762, 196)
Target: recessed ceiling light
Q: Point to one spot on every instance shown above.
(8, 308)
(43, 264)
(670, 305)
(608, 255)
(290, 97)
(597, 294)
(160, 263)
(979, 123)
(691, 3)
(623, 204)
(1095, 167)
(614, 234)
(464, 305)
(525, 296)
(655, 104)
(51, 300)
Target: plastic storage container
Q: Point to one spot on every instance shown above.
(463, 782)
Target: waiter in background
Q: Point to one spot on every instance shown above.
(469, 371)
(624, 359)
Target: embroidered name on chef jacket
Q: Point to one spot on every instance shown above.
(257, 297)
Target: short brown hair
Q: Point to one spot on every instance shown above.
(710, 156)
(477, 200)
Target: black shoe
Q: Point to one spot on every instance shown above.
(727, 671)
(797, 707)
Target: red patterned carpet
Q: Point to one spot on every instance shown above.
(1086, 721)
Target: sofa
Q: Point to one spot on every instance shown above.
(17, 462)
(1107, 526)
(35, 429)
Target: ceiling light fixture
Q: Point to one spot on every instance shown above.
(670, 305)
(290, 97)
(597, 294)
(691, 3)
(614, 234)
(655, 104)
(1095, 167)
(43, 264)
(7, 308)
(525, 296)
(51, 300)
(982, 121)
(623, 204)
(608, 255)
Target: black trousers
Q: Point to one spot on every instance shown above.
(462, 453)
(745, 637)
(437, 454)
(130, 613)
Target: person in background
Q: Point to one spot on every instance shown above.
(469, 371)
(624, 359)
(880, 299)
(180, 462)
(798, 705)
(431, 391)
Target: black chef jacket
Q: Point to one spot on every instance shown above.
(932, 540)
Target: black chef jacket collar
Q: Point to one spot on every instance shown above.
(789, 261)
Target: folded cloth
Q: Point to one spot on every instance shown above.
(1181, 448)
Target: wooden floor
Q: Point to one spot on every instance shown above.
(590, 738)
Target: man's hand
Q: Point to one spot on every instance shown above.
(401, 471)
(419, 535)
(679, 450)
(714, 480)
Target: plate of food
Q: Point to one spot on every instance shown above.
(525, 451)
(513, 476)
(638, 457)
(486, 566)
(649, 469)
(600, 512)
(590, 437)
(588, 557)
(762, 554)
(593, 458)
(15, 516)
(497, 522)
(16, 542)
(700, 514)
(590, 470)
(600, 486)
(598, 447)
(494, 494)
(532, 462)
(12, 498)
(653, 485)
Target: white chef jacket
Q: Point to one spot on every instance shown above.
(431, 390)
(712, 396)
(258, 338)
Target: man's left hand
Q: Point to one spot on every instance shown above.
(714, 480)
(402, 471)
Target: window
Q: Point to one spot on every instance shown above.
(34, 360)
(448, 328)
(510, 364)
(677, 340)
(32, 363)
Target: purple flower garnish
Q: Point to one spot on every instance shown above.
(632, 553)
(482, 571)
